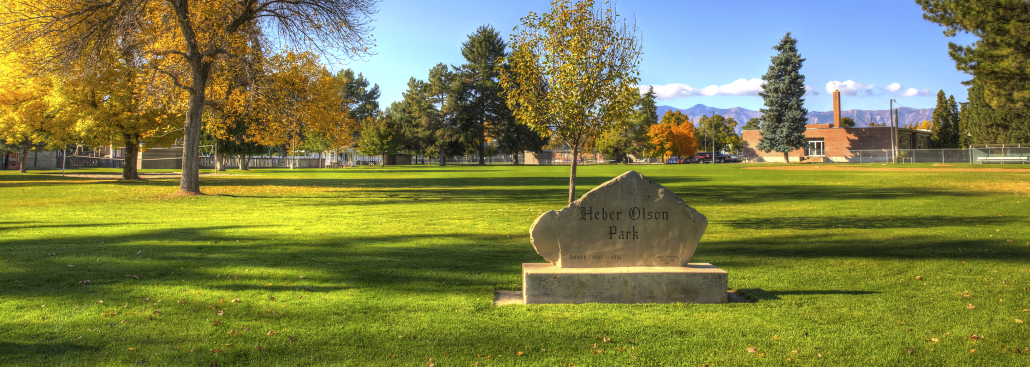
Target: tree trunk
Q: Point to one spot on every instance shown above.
(220, 159)
(382, 162)
(443, 157)
(130, 172)
(23, 158)
(786, 157)
(515, 159)
(189, 184)
(246, 162)
(482, 151)
(572, 175)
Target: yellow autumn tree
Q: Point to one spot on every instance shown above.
(673, 136)
(572, 73)
(291, 95)
(28, 109)
(187, 40)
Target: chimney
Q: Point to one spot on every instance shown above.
(836, 108)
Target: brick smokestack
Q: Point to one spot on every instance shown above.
(836, 108)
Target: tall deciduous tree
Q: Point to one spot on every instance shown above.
(785, 116)
(189, 38)
(572, 73)
(998, 59)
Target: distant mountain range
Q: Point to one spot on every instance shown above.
(862, 117)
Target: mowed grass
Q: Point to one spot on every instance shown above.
(398, 266)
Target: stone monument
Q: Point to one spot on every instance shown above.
(629, 240)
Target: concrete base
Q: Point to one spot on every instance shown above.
(695, 283)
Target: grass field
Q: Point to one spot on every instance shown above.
(397, 266)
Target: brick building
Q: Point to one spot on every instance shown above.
(832, 143)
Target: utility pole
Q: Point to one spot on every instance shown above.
(711, 126)
(891, 126)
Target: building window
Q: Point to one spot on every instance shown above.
(815, 148)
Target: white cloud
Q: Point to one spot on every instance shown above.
(811, 91)
(894, 87)
(740, 87)
(850, 88)
(912, 92)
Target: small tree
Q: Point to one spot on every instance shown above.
(847, 122)
(753, 124)
(785, 116)
(572, 73)
(380, 136)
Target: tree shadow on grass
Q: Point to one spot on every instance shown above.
(855, 222)
(14, 351)
(7, 226)
(758, 294)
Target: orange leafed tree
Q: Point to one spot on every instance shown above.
(674, 136)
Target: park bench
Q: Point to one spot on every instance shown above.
(1001, 159)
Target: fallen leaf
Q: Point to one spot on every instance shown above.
(607, 340)
(911, 351)
(752, 349)
(235, 300)
(1018, 321)
(972, 351)
(272, 333)
(935, 340)
(259, 348)
(144, 299)
(220, 312)
(518, 354)
(919, 278)
(217, 351)
(970, 306)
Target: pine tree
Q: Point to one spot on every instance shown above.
(482, 102)
(956, 123)
(784, 119)
(940, 136)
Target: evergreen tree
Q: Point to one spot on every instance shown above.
(481, 103)
(940, 136)
(956, 123)
(988, 125)
(784, 119)
(998, 58)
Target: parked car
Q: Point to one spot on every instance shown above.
(720, 157)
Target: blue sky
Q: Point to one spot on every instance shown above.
(708, 52)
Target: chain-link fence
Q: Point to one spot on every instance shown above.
(973, 155)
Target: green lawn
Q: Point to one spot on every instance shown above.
(398, 265)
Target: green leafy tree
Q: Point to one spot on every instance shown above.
(572, 73)
(380, 136)
(630, 136)
(718, 130)
(998, 59)
(753, 124)
(847, 122)
(785, 116)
